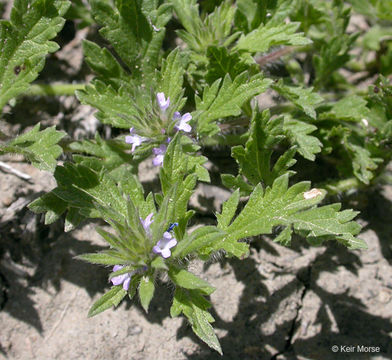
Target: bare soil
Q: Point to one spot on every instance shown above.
(280, 303)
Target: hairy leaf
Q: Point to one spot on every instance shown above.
(293, 207)
(111, 298)
(229, 208)
(187, 280)
(351, 108)
(263, 38)
(193, 305)
(298, 134)
(305, 99)
(146, 291)
(255, 158)
(38, 146)
(226, 100)
(25, 41)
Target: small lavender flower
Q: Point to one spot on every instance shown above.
(134, 139)
(182, 121)
(162, 101)
(147, 222)
(124, 279)
(159, 155)
(164, 245)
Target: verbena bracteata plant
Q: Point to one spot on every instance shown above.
(178, 77)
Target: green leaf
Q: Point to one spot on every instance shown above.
(146, 291)
(249, 14)
(94, 195)
(283, 9)
(131, 187)
(73, 219)
(104, 65)
(110, 238)
(213, 29)
(184, 191)
(174, 164)
(198, 239)
(236, 182)
(39, 147)
(377, 9)
(188, 13)
(255, 158)
(111, 298)
(327, 223)
(103, 258)
(284, 237)
(263, 38)
(79, 12)
(362, 162)
(334, 54)
(172, 76)
(124, 25)
(104, 154)
(116, 108)
(374, 37)
(226, 100)
(159, 263)
(128, 26)
(304, 98)
(83, 188)
(223, 62)
(194, 307)
(289, 207)
(228, 210)
(25, 41)
(298, 133)
(190, 281)
(51, 204)
(350, 108)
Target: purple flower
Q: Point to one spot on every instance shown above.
(164, 245)
(159, 155)
(162, 101)
(182, 121)
(147, 222)
(124, 279)
(134, 139)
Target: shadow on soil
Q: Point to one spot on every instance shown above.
(51, 257)
(244, 338)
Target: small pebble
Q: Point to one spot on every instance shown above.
(384, 296)
(134, 330)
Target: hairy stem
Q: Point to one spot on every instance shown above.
(339, 186)
(52, 89)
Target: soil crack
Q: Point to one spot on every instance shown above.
(304, 277)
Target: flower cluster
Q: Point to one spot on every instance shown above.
(162, 248)
(181, 124)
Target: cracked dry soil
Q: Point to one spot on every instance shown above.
(280, 303)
